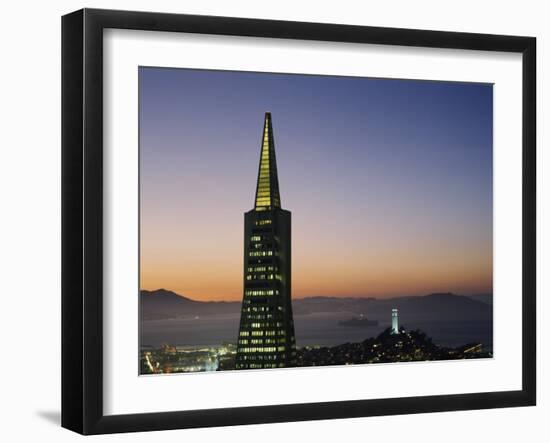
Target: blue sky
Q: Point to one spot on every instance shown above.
(389, 181)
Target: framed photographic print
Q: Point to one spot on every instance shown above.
(269, 221)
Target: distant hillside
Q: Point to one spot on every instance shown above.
(164, 304)
(484, 298)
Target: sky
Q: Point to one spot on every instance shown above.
(389, 181)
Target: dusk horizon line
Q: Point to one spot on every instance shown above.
(331, 296)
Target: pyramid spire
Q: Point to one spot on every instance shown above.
(267, 189)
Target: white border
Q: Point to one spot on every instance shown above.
(125, 392)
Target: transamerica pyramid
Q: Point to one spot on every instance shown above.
(266, 333)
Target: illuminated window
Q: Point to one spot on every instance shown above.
(260, 292)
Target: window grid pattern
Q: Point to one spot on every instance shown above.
(266, 331)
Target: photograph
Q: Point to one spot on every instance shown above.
(296, 220)
(293, 218)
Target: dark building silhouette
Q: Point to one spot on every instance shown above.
(266, 333)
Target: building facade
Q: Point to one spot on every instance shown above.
(266, 332)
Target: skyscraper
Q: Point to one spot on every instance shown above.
(266, 333)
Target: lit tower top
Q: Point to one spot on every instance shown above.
(394, 321)
(267, 189)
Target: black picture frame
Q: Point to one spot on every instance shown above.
(82, 217)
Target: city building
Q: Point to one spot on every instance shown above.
(266, 332)
(394, 321)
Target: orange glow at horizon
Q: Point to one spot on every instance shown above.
(207, 264)
(389, 182)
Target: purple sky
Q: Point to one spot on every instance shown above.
(389, 181)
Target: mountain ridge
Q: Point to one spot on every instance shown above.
(163, 304)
